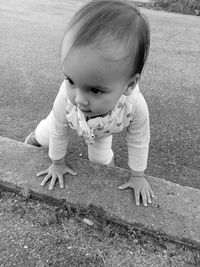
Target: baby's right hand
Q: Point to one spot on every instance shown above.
(54, 172)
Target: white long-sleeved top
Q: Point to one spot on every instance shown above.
(130, 112)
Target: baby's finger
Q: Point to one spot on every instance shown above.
(144, 197)
(124, 186)
(53, 180)
(151, 193)
(61, 182)
(70, 171)
(46, 178)
(137, 197)
(42, 172)
(148, 195)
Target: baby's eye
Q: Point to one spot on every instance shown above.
(95, 91)
(69, 80)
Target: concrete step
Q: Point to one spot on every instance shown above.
(174, 215)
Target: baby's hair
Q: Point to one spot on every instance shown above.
(98, 20)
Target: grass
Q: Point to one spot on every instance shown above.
(191, 7)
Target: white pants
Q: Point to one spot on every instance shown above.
(99, 152)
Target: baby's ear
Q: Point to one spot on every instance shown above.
(131, 85)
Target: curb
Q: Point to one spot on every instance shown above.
(173, 216)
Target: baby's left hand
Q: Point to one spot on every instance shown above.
(140, 186)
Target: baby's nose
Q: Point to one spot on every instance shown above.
(81, 98)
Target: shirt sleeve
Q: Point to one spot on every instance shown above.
(138, 136)
(59, 128)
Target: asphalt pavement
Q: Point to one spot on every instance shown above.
(31, 32)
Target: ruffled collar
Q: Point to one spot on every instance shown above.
(77, 120)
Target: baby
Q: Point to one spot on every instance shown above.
(103, 52)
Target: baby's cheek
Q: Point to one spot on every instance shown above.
(71, 97)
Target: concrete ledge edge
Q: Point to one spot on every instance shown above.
(51, 200)
(96, 185)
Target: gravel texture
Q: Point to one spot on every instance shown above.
(35, 234)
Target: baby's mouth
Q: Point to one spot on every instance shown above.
(84, 110)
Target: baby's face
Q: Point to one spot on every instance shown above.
(94, 84)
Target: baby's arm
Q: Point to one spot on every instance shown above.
(58, 142)
(138, 137)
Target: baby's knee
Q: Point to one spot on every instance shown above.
(102, 158)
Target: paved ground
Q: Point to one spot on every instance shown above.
(30, 78)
